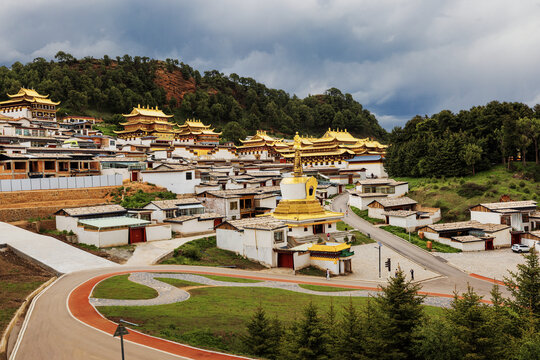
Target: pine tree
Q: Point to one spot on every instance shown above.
(350, 343)
(524, 285)
(309, 336)
(397, 314)
(469, 321)
(263, 336)
(332, 328)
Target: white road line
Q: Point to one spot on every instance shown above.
(27, 319)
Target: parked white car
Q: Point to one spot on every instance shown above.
(519, 248)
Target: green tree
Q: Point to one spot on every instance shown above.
(471, 154)
(525, 130)
(397, 314)
(470, 323)
(309, 336)
(350, 338)
(524, 286)
(234, 132)
(263, 336)
(437, 341)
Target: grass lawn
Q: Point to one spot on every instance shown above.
(364, 215)
(455, 195)
(324, 288)
(216, 317)
(119, 287)
(359, 238)
(204, 252)
(416, 240)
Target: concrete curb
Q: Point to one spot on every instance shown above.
(20, 311)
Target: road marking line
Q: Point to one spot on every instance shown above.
(27, 319)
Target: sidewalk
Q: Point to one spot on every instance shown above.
(52, 253)
(149, 253)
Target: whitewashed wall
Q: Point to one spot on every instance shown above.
(501, 238)
(486, 217)
(174, 181)
(301, 260)
(158, 232)
(78, 182)
(325, 264)
(376, 213)
(66, 223)
(230, 240)
(126, 175)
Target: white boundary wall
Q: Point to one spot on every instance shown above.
(60, 183)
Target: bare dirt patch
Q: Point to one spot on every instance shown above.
(18, 278)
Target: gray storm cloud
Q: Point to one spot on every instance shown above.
(398, 58)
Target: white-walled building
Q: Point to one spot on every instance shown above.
(469, 235)
(197, 224)
(254, 238)
(362, 200)
(179, 179)
(109, 225)
(516, 214)
(373, 165)
(387, 186)
(166, 209)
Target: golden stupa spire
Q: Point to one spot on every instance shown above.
(298, 172)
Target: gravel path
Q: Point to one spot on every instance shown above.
(168, 294)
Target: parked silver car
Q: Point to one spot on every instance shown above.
(519, 248)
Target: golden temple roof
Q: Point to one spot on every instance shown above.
(329, 248)
(194, 123)
(148, 111)
(196, 127)
(28, 92)
(29, 95)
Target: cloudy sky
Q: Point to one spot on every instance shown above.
(397, 58)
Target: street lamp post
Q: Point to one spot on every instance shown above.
(379, 247)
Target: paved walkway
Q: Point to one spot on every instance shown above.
(492, 264)
(168, 294)
(55, 254)
(149, 253)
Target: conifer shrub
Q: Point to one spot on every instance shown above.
(471, 189)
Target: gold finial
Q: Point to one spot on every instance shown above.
(298, 172)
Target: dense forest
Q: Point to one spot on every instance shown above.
(236, 105)
(448, 144)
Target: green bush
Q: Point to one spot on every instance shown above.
(471, 189)
(192, 253)
(522, 184)
(512, 186)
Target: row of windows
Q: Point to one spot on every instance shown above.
(315, 163)
(379, 189)
(46, 107)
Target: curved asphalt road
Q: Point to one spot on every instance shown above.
(454, 278)
(53, 333)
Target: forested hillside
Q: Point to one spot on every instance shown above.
(237, 105)
(448, 144)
